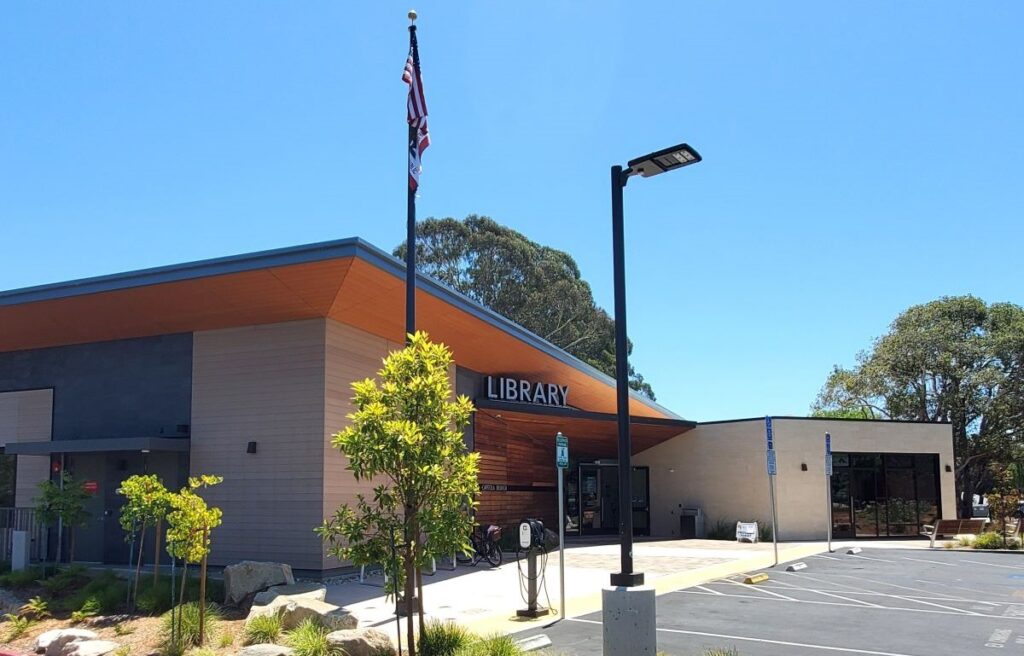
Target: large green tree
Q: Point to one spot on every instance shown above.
(538, 287)
(955, 360)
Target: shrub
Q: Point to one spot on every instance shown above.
(23, 579)
(156, 600)
(107, 590)
(493, 645)
(988, 541)
(263, 629)
(66, 581)
(90, 608)
(17, 626)
(309, 638)
(226, 640)
(186, 617)
(123, 629)
(443, 639)
(122, 651)
(36, 608)
(201, 651)
(722, 530)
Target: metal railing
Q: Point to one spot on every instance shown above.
(21, 519)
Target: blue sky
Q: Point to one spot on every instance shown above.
(858, 157)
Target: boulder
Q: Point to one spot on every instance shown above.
(89, 648)
(51, 642)
(294, 610)
(265, 650)
(362, 642)
(243, 580)
(314, 591)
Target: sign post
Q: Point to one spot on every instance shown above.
(772, 469)
(562, 462)
(828, 487)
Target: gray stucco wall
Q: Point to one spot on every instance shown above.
(126, 388)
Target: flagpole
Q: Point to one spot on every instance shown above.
(410, 229)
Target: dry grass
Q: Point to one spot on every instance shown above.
(144, 639)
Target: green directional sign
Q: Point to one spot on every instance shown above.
(562, 451)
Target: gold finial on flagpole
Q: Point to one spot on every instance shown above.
(412, 15)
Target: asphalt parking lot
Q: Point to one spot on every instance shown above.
(880, 602)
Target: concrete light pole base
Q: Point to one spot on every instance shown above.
(629, 619)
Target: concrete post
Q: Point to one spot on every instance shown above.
(19, 551)
(629, 620)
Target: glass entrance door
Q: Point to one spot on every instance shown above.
(597, 504)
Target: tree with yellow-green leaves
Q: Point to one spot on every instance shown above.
(406, 434)
(147, 503)
(189, 523)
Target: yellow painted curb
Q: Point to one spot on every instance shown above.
(756, 578)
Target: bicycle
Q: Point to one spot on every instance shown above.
(486, 546)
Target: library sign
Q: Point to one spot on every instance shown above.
(515, 390)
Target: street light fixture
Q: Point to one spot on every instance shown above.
(653, 164)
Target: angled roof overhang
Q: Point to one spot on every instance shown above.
(348, 280)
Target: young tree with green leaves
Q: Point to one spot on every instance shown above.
(189, 523)
(406, 433)
(62, 503)
(956, 360)
(147, 502)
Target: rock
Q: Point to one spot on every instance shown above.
(314, 591)
(265, 650)
(51, 642)
(243, 580)
(89, 648)
(294, 610)
(362, 642)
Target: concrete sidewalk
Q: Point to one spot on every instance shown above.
(485, 599)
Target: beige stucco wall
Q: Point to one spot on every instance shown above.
(721, 468)
(27, 416)
(263, 384)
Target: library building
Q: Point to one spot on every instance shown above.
(242, 367)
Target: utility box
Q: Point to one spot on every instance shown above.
(691, 524)
(19, 551)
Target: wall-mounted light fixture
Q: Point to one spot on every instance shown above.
(250, 447)
(803, 466)
(948, 468)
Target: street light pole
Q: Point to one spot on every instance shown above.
(625, 577)
(628, 606)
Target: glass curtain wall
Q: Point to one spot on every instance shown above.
(884, 494)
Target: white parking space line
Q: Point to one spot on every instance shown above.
(715, 592)
(825, 557)
(989, 604)
(933, 562)
(881, 560)
(971, 590)
(957, 613)
(785, 643)
(831, 594)
(801, 575)
(981, 562)
(757, 588)
(929, 603)
(892, 585)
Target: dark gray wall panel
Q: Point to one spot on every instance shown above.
(126, 388)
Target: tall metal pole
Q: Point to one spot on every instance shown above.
(626, 577)
(410, 246)
(561, 540)
(775, 519)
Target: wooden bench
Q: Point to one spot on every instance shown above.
(953, 527)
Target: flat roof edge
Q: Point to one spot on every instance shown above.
(291, 255)
(797, 418)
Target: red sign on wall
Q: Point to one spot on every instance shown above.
(92, 487)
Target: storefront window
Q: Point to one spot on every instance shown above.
(8, 471)
(884, 495)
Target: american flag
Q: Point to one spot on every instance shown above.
(419, 138)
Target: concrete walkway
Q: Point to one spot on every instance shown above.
(485, 599)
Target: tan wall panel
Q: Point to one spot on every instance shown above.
(263, 384)
(721, 468)
(27, 417)
(351, 354)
